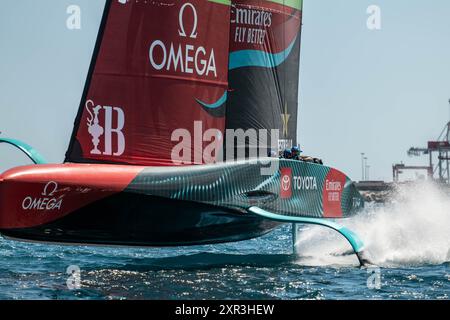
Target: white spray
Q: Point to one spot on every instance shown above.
(414, 229)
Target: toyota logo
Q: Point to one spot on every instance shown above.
(286, 183)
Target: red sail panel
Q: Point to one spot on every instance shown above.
(161, 66)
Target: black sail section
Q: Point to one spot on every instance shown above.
(264, 71)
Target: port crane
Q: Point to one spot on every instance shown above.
(438, 149)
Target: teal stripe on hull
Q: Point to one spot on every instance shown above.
(229, 184)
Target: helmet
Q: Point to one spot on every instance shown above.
(287, 154)
(295, 151)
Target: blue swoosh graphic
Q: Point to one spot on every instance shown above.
(257, 58)
(216, 104)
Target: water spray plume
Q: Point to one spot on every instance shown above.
(412, 229)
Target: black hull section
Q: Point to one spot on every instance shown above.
(128, 219)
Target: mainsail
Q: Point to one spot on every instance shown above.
(157, 68)
(167, 79)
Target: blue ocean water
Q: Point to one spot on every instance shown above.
(408, 239)
(257, 269)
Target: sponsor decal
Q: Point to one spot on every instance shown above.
(47, 201)
(333, 189)
(332, 194)
(251, 24)
(184, 58)
(290, 183)
(110, 115)
(305, 183)
(286, 183)
(262, 35)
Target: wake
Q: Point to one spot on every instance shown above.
(412, 230)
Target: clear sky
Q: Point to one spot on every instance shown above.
(361, 90)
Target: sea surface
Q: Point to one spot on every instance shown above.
(408, 240)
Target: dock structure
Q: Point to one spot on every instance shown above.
(375, 191)
(374, 186)
(435, 150)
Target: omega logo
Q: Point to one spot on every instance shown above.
(182, 32)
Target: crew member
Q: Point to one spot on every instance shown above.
(296, 152)
(287, 154)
